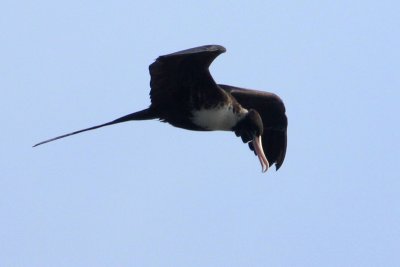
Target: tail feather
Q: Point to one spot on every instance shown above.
(146, 114)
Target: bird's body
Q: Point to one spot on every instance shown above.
(184, 94)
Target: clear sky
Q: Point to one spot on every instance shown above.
(148, 194)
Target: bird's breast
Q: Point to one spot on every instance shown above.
(222, 118)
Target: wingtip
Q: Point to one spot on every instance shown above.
(219, 48)
(38, 144)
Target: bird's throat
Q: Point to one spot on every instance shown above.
(222, 118)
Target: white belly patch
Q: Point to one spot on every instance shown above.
(221, 118)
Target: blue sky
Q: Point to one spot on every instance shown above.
(148, 194)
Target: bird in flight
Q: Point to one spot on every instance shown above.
(184, 94)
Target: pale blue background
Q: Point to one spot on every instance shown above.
(148, 194)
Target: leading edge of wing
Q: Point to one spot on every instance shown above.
(214, 49)
(250, 97)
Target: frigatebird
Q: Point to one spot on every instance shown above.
(184, 94)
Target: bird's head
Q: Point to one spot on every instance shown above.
(250, 128)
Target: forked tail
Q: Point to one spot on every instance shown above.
(145, 114)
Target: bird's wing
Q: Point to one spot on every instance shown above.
(272, 111)
(183, 78)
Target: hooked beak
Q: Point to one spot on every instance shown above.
(260, 153)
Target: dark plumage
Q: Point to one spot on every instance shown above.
(184, 94)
